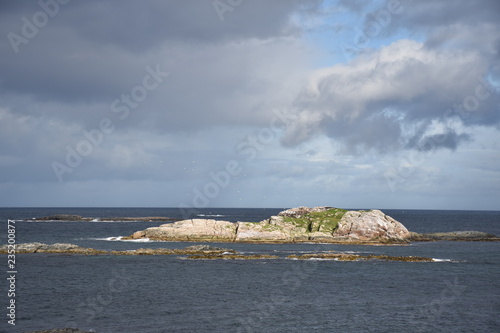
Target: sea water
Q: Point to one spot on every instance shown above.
(458, 292)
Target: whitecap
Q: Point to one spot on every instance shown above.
(139, 240)
(120, 239)
(441, 260)
(210, 215)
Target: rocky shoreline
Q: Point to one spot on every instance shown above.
(304, 225)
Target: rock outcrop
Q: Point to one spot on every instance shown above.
(192, 230)
(52, 248)
(370, 225)
(302, 224)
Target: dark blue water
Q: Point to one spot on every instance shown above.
(172, 294)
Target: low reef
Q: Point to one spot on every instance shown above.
(65, 248)
(203, 252)
(357, 257)
(471, 236)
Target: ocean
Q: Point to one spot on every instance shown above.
(460, 292)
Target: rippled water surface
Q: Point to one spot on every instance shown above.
(461, 293)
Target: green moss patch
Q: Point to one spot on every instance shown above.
(326, 221)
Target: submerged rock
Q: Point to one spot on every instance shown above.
(233, 256)
(357, 257)
(204, 247)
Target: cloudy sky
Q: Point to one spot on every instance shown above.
(250, 103)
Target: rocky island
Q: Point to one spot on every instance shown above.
(304, 224)
(296, 225)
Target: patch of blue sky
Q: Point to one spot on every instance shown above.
(344, 31)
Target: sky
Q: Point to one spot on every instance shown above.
(250, 103)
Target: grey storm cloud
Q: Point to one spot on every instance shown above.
(78, 67)
(93, 50)
(183, 85)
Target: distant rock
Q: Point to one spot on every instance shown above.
(61, 217)
(65, 217)
(454, 236)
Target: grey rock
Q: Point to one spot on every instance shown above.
(28, 247)
(192, 230)
(301, 211)
(202, 247)
(370, 225)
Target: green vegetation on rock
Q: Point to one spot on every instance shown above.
(325, 221)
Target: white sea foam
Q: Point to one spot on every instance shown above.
(441, 260)
(210, 215)
(120, 239)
